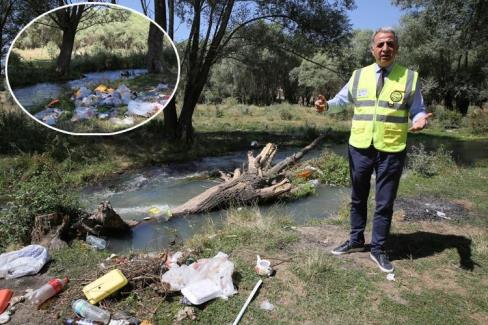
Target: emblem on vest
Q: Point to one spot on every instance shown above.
(396, 96)
(363, 92)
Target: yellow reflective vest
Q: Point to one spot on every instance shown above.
(381, 121)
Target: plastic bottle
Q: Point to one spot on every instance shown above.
(98, 243)
(86, 310)
(53, 287)
(71, 321)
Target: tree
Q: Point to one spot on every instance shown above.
(70, 20)
(215, 23)
(448, 42)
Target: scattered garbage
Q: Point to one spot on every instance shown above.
(161, 87)
(50, 116)
(251, 295)
(5, 295)
(80, 321)
(263, 267)
(84, 113)
(441, 214)
(123, 318)
(172, 260)
(96, 242)
(105, 286)
(119, 322)
(26, 261)
(314, 182)
(5, 317)
(266, 305)
(305, 174)
(82, 92)
(185, 313)
(143, 108)
(53, 102)
(390, 276)
(86, 310)
(203, 280)
(127, 121)
(158, 212)
(50, 289)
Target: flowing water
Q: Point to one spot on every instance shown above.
(134, 193)
(42, 92)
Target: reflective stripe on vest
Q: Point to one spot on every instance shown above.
(382, 121)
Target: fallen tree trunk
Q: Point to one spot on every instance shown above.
(259, 182)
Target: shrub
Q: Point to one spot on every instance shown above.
(478, 121)
(429, 164)
(448, 119)
(334, 169)
(43, 190)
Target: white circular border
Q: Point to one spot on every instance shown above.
(92, 134)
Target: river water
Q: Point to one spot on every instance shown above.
(132, 194)
(42, 92)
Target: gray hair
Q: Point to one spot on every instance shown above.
(384, 30)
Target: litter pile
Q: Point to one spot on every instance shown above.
(105, 103)
(198, 280)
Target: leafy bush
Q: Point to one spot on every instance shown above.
(478, 121)
(429, 164)
(334, 169)
(43, 190)
(448, 119)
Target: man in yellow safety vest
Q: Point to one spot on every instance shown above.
(383, 94)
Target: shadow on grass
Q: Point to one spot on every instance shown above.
(423, 244)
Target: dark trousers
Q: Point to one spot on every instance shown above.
(388, 169)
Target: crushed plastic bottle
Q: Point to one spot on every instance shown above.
(50, 289)
(86, 310)
(98, 243)
(71, 321)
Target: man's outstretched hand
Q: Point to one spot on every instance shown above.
(420, 123)
(320, 105)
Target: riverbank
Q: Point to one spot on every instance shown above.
(439, 276)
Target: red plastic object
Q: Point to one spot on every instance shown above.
(5, 295)
(53, 102)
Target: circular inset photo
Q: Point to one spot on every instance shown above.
(92, 69)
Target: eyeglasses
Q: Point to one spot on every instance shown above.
(389, 44)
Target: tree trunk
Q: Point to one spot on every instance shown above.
(259, 182)
(170, 120)
(154, 50)
(155, 38)
(64, 58)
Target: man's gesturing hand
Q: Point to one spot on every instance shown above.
(420, 123)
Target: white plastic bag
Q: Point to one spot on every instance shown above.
(26, 261)
(203, 280)
(145, 109)
(84, 113)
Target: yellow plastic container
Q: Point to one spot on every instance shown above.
(104, 286)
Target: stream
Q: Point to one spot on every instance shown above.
(39, 93)
(133, 193)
